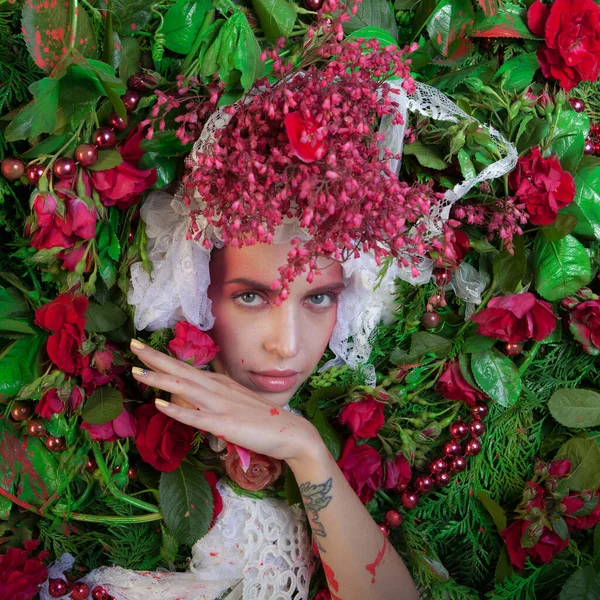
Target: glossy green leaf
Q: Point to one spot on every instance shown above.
(509, 269)
(104, 317)
(586, 206)
(129, 16)
(369, 33)
(276, 17)
(577, 408)
(429, 156)
(104, 405)
(107, 159)
(584, 455)
(80, 91)
(518, 72)
(130, 56)
(423, 343)
(497, 376)
(18, 363)
(477, 343)
(50, 145)
(373, 13)
(509, 21)
(563, 225)
(57, 425)
(113, 86)
(39, 116)
(165, 143)
(448, 24)
(569, 138)
(561, 268)
(331, 438)
(47, 31)
(182, 23)
(165, 167)
(584, 584)
(186, 502)
(16, 326)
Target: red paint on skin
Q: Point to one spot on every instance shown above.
(330, 576)
(221, 437)
(377, 562)
(274, 412)
(242, 361)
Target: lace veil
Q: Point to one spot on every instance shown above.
(177, 288)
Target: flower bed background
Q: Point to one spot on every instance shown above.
(478, 449)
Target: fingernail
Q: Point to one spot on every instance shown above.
(162, 403)
(139, 371)
(137, 344)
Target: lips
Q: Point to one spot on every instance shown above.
(274, 381)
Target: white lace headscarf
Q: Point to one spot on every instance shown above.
(177, 289)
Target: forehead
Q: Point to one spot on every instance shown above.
(261, 262)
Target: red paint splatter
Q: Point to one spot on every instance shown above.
(214, 553)
(330, 576)
(133, 26)
(221, 437)
(374, 565)
(274, 412)
(192, 506)
(242, 361)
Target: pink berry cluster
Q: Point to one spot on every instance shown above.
(308, 147)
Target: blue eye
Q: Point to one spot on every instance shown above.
(249, 299)
(322, 300)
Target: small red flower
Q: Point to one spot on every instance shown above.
(301, 134)
(584, 323)
(453, 386)
(362, 468)
(121, 427)
(50, 404)
(192, 345)
(364, 418)
(575, 504)
(397, 472)
(21, 574)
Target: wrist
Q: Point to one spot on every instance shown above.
(310, 452)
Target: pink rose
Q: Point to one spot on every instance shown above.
(364, 418)
(453, 386)
(397, 473)
(122, 427)
(50, 404)
(574, 504)
(301, 134)
(261, 471)
(516, 318)
(72, 257)
(362, 468)
(584, 323)
(103, 369)
(75, 398)
(559, 468)
(192, 345)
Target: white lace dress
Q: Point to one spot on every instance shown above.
(257, 550)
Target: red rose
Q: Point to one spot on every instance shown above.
(103, 369)
(49, 232)
(574, 504)
(21, 575)
(364, 418)
(261, 472)
(584, 323)
(65, 316)
(192, 345)
(122, 185)
(542, 185)
(50, 404)
(121, 427)
(459, 245)
(301, 134)
(559, 468)
(75, 398)
(397, 472)
(161, 441)
(535, 495)
(362, 468)
(130, 147)
(453, 386)
(548, 545)
(71, 258)
(572, 51)
(516, 318)
(217, 498)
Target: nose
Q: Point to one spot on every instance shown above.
(283, 330)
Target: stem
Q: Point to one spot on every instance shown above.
(109, 519)
(530, 356)
(208, 21)
(74, 9)
(109, 46)
(18, 502)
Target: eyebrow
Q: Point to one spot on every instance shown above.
(258, 285)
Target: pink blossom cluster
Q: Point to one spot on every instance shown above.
(502, 218)
(308, 147)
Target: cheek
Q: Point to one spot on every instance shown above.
(317, 335)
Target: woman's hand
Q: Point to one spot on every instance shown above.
(225, 408)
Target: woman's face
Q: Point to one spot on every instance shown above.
(267, 348)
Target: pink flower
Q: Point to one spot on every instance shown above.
(72, 257)
(122, 427)
(75, 398)
(21, 574)
(364, 418)
(397, 472)
(192, 345)
(584, 323)
(362, 468)
(559, 468)
(575, 504)
(50, 404)
(301, 134)
(122, 185)
(453, 386)
(516, 318)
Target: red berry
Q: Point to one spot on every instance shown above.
(99, 593)
(384, 528)
(451, 448)
(393, 518)
(424, 484)
(12, 168)
(54, 444)
(118, 123)
(409, 499)
(459, 430)
(104, 137)
(86, 154)
(80, 591)
(35, 428)
(91, 464)
(513, 348)
(64, 167)
(477, 428)
(430, 320)
(21, 411)
(589, 148)
(577, 104)
(442, 277)
(442, 479)
(34, 173)
(438, 465)
(313, 4)
(472, 447)
(57, 587)
(132, 473)
(130, 100)
(458, 464)
(480, 411)
(142, 82)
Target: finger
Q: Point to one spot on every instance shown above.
(192, 392)
(194, 417)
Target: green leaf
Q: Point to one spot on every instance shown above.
(18, 364)
(504, 567)
(569, 138)
(19, 326)
(586, 206)
(560, 528)
(165, 143)
(423, 13)
(563, 225)
(186, 502)
(497, 376)
(561, 268)
(534, 133)
(584, 455)
(113, 86)
(518, 73)
(332, 391)
(80, 91)
(448, 24)
(584, 584)
(12, 303)
(104, 317)
(131, 55)
(464, 364)
(467, 168)
(575, 408)
(57, 425)
(427, 155)
(509, 21)
(509, 269)
(496, 511)
(182, 22)
(50, 145)
(104, 405)
(329, 435)
(448, 82)
(39, 116)
(107, 159)
(370, 33)
(129, 16)
(477, 343)
(47, 31)
(276, 17)
(596, 555)
(165, 168)
(429, 343)
(373, 13)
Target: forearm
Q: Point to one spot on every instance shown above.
(358, 560)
